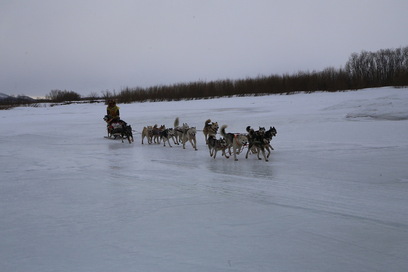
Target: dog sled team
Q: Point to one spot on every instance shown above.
(178, 134)
(257, 141)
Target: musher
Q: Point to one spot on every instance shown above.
(113, 112)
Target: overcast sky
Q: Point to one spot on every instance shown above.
(89, 46)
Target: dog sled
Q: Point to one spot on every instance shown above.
(118, 130)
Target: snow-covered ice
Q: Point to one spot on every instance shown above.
(333, 196)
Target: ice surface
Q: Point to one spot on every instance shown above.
(333, 196)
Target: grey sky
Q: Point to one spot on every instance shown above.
(96, 45)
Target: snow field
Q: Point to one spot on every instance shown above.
(331, 198)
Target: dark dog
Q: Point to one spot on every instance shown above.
(256, 142)
(268, 136)
(166, 135)
(259, 141)
(156, 131)
(119, 129)
(215, 145)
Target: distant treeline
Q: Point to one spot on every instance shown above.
(61, 96)
(7, 102)
(387, 67)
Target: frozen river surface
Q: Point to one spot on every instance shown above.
(333, 196)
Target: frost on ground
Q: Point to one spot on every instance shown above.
(333, 196)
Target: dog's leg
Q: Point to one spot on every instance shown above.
(261, 149)
(263, 153)
(174, 141)
(234, 149)
(194, 143)
(258, 151)
(249, 149)
(191, 141)
(240, 149)
(229, 150)
(129, 134)
(184, 140)
(268, 149)
(225, 154)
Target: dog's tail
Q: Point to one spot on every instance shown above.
(248, 128)
(176, 122)
(222, 131)
(207, 122)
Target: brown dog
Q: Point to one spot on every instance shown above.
(210, 129)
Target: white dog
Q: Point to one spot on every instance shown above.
(185, 133)
(189, 134)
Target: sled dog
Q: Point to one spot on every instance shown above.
(147, 132)
(256, 142)
(234, 140)
(215, 145)
(189, 134)
(127, 133)
(119, 129)
(268, 136)
(210, 129)
(156, 133)
(185, 134)
(259, 141)
(166, 135)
